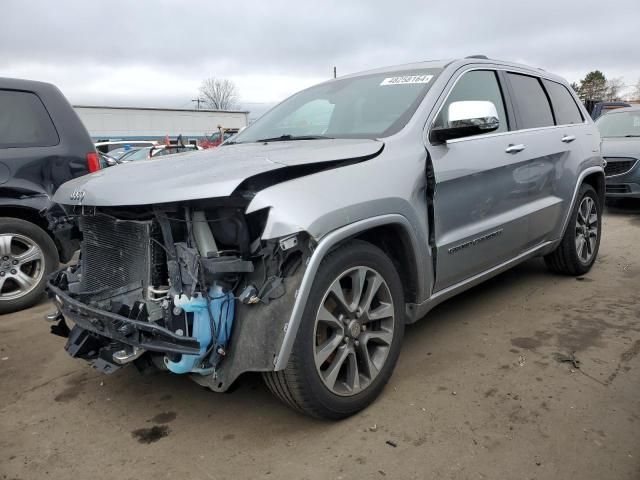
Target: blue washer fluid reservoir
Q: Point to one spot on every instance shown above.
(222, 308)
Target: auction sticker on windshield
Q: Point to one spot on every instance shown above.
(406, 79)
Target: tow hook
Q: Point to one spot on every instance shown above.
(61, 328)
(124, 356)
(54, 316)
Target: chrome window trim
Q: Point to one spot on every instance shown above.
(510, 132)
(506, 69)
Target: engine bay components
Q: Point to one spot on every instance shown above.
(170, 285)
(211, 326)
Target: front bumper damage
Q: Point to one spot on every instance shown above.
(130, 332)
(187, 305)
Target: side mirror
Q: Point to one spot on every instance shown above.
(466, 118)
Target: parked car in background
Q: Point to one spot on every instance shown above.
(109, 146)
(303, 246)
(620, 131)
(43, 144)
(106, 160)
(155, 151)
(601, 108)
(222, 135)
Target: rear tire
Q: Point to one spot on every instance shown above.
(579, 246)
(27, 256)
(350, 337)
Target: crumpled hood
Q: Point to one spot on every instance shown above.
(621, 147)
(209, 173)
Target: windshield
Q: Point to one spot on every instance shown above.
(137, 154)
(119, 152)
(620, 124)
(367, 106)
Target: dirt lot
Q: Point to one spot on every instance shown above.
(478, 393)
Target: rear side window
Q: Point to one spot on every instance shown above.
(24, 122)
(476, 85)
(564, 105)
(531, 101)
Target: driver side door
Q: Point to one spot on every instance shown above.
(478, 202)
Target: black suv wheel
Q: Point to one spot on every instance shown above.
(27, 257)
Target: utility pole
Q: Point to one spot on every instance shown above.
(198, 102)
(334, 72)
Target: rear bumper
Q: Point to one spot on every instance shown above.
(121, 329)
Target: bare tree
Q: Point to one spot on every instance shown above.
(636, 91)
(613, 88)
(219, 93)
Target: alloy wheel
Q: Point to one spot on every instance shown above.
(586, 229)
(21, 265)
(354, 329)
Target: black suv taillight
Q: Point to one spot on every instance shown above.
(93, 162)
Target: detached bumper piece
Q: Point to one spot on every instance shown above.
(109, 340)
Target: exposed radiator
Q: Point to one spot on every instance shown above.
(116, 254)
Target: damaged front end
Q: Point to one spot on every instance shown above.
(189, 287)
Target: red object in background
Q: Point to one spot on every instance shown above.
(218, 137)
(93, 162)
(166, 141)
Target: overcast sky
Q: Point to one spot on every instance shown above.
(156, 53)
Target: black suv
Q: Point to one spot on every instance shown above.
(43, 144)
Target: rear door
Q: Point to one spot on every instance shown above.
(479, 201)
(42, 141)
(27, 139)
(547, 132)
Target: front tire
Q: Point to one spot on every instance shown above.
(27, 257)
(350, 336)
(579, 246)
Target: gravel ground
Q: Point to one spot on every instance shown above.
(480, 391)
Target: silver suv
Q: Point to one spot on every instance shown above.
(303, 246)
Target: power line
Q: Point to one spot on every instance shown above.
(198, 102)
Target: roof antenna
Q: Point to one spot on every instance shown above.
(481, 57)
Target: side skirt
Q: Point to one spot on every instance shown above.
(416, 311)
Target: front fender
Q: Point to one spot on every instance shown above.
(326, 244)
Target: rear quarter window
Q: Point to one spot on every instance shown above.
(24, 121)
(564, 106)
(531, 102)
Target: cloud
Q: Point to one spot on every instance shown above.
(157, 52)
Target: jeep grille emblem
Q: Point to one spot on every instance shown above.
(77, 195)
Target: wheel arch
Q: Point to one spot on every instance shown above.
(386, 225)
(25, 213)
(593, 176)
(395, 241)
(597, 181)
(30, 215)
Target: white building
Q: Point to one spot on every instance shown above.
(132, 123)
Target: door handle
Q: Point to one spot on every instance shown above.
(568, 138)
(515, 148)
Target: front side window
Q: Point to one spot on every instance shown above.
(564, 106)
(367, 106)
(24, 122)
(531, 101)
(476, 85)
(619, 124)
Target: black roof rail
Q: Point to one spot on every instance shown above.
(481, 57)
